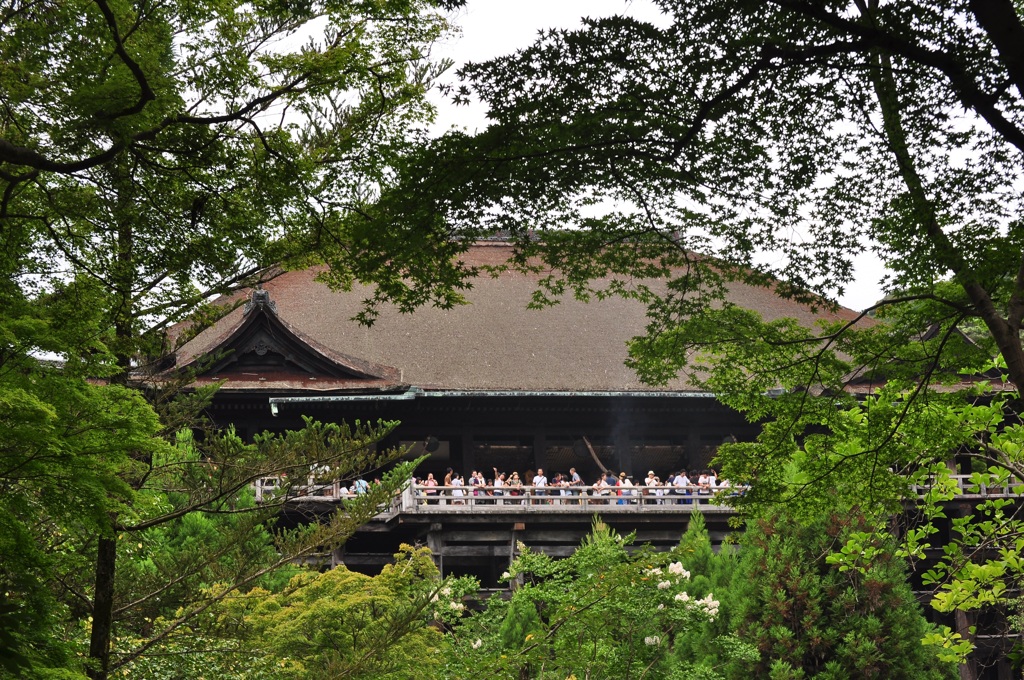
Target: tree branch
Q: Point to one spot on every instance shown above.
(348, 524)
(26, 157)
(962, 84)
(1015, 307)
(945, 253)
(1002, 24)
(146, 93)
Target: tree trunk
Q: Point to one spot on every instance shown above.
(1007, 339)
(945, 253)
(102, 610)
(968, 669)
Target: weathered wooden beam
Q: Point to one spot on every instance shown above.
(483, 536)
(476, 551)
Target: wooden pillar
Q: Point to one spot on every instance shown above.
(468, 461)
(693, 448)
(623, 452)
(435, 541)
(540, 453)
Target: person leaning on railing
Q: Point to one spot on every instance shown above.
(539, 483)
(431, 487)
(515, 485)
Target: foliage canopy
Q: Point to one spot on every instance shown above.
(153, 155)
(773, 143)
(777, 140)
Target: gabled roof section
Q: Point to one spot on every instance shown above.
(496, 342)
(261, 347)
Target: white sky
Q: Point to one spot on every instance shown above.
(491, 28)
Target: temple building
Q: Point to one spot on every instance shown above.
(490, 384)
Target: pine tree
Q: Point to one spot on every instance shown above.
(809, 618)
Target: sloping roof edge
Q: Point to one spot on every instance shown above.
(261, 309)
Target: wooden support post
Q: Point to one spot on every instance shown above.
(540, 453)
(435, 541)
(693, 449)
(623, 453)
(467, 457)
(968, 670)
(468, 461)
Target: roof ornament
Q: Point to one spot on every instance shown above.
(260, 299)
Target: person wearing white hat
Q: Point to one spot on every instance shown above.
(650, 486)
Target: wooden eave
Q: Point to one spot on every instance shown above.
(262, 350)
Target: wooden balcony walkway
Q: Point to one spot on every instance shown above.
(479, 534)
(489, 500)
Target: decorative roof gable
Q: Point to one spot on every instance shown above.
(261, 346)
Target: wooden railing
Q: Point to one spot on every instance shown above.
(458, 499)
(555, 499)
(965, 489)
(419, 498)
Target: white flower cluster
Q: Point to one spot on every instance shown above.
(446, 591)
(709, 604)
(477, 644)
(676, 568)
(652, 640)
(454, 605)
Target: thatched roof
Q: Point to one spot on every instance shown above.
(493, 343)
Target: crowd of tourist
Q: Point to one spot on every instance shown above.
(534, 487)
(608, 487)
